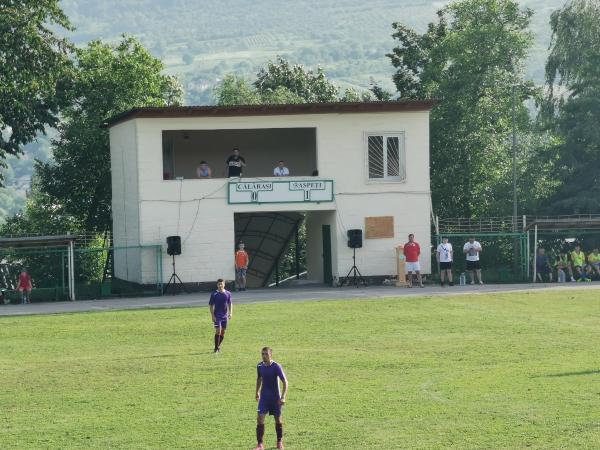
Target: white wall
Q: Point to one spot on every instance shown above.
(198, 211)
(125, 196)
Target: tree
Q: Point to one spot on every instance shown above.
(469, 60)
(34, 71)
(572, 107)
(283, 83)
(109, 79)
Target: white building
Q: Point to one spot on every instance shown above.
(352, 166)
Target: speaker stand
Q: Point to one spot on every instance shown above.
(174, 281)
(357, 278)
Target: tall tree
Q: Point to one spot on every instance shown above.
(572, 107)
(110, 79)
(34, 70)
(280, 82)
(469, 60)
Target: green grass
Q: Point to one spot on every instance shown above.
(482, 371)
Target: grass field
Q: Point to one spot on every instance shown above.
(517, 370)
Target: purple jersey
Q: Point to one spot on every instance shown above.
(221, 302)
(269, 375)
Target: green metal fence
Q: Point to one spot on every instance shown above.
(94, 273)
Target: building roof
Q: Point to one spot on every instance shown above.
(271, 110)
(36, 241)
(566, 223)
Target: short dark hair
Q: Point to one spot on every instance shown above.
(411, 235)
(236, 148)
(202, 162)
(267, 349)
(220, 280)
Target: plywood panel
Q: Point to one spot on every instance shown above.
(379, 227)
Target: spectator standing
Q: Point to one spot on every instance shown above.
(445, 256)
(280, 170)
(235, 163)
(542, 265)
(203, 170)
(472, 249)
(24, 286)
(412, 251)
(241, 267)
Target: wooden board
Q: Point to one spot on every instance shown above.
(379, 227)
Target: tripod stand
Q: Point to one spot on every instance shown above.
(356, 275)
(174, 280)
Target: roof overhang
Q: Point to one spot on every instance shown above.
(36, 241)
(271, 110)
(565, 224)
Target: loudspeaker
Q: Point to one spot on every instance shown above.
(173, 245)
(355, 238)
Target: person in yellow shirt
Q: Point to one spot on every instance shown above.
(594, 262)
(578, 260)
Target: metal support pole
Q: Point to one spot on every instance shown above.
(71, 271)
(277, 272)
(297, 254)
(535, 243)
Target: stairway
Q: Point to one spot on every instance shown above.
(266, 236)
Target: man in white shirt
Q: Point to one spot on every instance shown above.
(444, 256)
(281, 170)
(472, 249)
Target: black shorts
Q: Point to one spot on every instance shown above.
(473, 265)
(446, 265)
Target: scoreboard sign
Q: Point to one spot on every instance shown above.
(288, 191)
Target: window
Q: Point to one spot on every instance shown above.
(386, 156)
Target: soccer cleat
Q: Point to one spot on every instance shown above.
(481, 282)
(451, 283)
(259, 447)
(422, 285)
(217, 350)
(280, 445)
(472, 282)
(572, 279)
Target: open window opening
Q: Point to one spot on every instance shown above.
(262, 150)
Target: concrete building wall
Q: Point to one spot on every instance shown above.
(125, 196)
(197, 210)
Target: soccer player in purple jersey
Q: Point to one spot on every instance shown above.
(221, 310)
(268, 396)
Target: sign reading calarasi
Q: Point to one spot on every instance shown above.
(288, 191)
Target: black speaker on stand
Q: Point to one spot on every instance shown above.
(354, 242)
(174, 248)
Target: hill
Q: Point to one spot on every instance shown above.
(202, 41)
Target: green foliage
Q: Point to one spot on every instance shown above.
(110, 79)
(573, 70)
(280, 82)
(35, 71)
(469, 371)
(469, 61)
(311, 86)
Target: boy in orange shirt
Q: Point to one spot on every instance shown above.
(241, 267)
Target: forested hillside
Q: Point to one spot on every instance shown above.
(201, 41)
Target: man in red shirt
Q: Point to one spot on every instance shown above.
(412, 250)
(24, 286)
